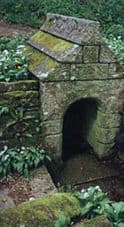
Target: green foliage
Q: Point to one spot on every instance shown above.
(95, 202)
(115, 213)
(62, 221)
(13, 61)
(117, 45)
(21, 160)
(22, 11)
(3, 110)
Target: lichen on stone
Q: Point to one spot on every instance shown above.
(41, 212)
(51, 42)
(36, 58)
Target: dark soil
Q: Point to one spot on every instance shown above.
(10, 30)
(17, 187)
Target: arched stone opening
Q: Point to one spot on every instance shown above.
(77, 122)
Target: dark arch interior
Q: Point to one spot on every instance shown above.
(77, 122)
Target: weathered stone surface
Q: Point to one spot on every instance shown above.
(99, 221)
(22, 97)
(59, 49)
(59, 73)
(23, 85)
(106, 135)
(72, 62)
(41, 183)
(100, 149)
(111, 104)
(57, 96)
(107, 120)
(106, 55)
(20, 125)
(51, 127)
(77, 30)
(52, 144)
(89, 71)
(90, 54)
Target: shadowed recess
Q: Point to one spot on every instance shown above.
(78, 120)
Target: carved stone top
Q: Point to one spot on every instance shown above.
(80, 31)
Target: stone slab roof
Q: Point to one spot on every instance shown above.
(59, 49)
(76, 30)
(65, 41)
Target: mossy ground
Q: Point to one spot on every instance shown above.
(42, 212)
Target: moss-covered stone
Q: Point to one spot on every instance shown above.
(90, 54)
(51, 42)
(23, 85)
(99, 221)
(36, 58)
(41, 212)
(19, 98)
(106, 55)
(89, 71)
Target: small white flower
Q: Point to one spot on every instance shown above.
(31, 198)
(86, 195)
(5, 148)
(45, 113)
(2, 152)
(21, 46)
(98, 188)
(6, 157)
(83, 190)
(23, 148)
(22, 152)
(72, 77)
(110, 46)
(119, 37)
(6, 52)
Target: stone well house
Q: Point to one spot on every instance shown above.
(81, 86)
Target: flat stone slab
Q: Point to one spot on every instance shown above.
(41, 183)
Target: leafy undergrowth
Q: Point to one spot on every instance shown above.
(94, 202)
(13, 60)
(117, 45)
(21, 160)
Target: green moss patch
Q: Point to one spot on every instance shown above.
(41, 212)
(51, 42)
(36, 58)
